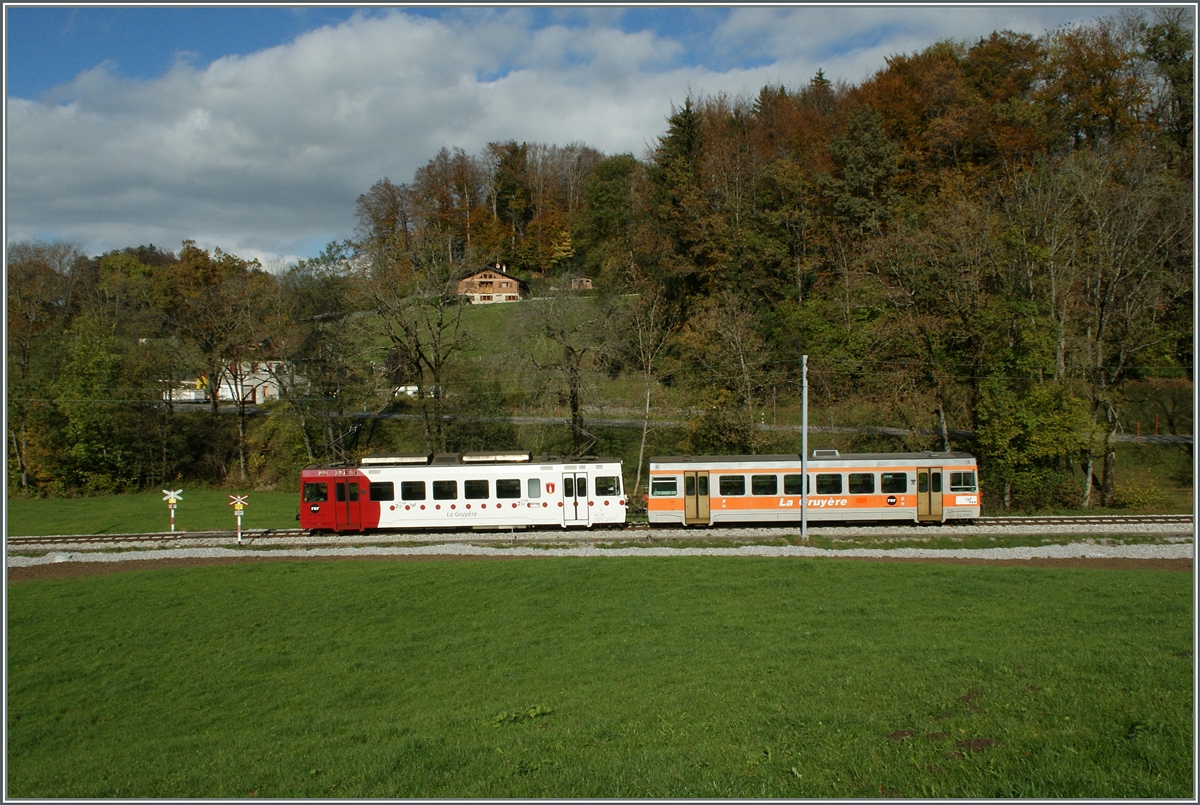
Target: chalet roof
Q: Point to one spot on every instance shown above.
(492, 269)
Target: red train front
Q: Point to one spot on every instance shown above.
(336, 499)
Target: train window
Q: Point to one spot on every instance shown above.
(923, 482)
(341, 492)
(764, 485)
(702, 485)
(732, 484)
(607, 486)
(793, 485)
(477, 489)
(534, 487)
(353, 491)
(689, 485)
(862, 483)
(316, 493)
(508, 488)
(382, 490)
(664, 487)
(935, 480)
(890, 482)
(581, 486)
(829, 483)
(445, 490)
(962, 482)
(412, 490)
(568, 487)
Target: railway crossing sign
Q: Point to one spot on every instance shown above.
(239, 502)
(172, 497)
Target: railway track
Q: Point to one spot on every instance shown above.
(632, 530)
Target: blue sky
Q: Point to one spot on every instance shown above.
(256, 128)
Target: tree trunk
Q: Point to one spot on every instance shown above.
(637, 483)
(945, 431)
(1108, 487)
(24, 472)
(1089, 473)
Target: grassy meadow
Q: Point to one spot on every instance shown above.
(146, 512)
(619, 677)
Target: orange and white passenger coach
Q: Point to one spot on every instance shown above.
(913, 487)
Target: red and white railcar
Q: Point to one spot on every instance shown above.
(468, 490)
(914, 487)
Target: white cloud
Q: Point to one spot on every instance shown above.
(265, 154)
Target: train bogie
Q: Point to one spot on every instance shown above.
(472, 490)
(858, 487)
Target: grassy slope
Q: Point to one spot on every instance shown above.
(682, 677)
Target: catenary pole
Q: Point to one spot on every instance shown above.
(804, 448)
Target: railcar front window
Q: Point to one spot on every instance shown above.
(892, 482)
(475, 489)
(445, 490)
(509, 488)
(764, 485)
(382, 490)
(962, 482)
(412, 490)
(316, 493)
(862, 483)
(829, 483)
(664, 487)
(607, 486)
(730, 485)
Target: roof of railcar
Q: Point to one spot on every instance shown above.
(794, 458)
(442, 460)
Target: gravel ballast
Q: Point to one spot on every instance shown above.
(1080, 550)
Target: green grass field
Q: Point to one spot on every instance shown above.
(147, 512)
(619, 677)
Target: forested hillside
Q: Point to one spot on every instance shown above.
(985, 243)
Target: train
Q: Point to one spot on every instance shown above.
(516, 490)
(493, 490)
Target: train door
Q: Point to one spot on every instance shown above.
(575, 498)
(929, 493)
(695, 498)
(346, 505)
